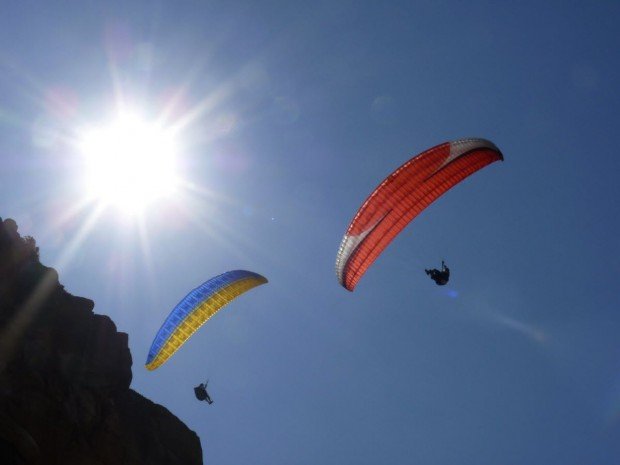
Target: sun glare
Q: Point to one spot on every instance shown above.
(130, 163)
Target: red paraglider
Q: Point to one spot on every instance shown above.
(402, 196)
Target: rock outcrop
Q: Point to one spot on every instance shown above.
(65, 374)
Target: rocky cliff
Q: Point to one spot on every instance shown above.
(65, 374)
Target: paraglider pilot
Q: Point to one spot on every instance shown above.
(440, 277)
(201, 392)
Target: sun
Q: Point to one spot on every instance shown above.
(130, 163)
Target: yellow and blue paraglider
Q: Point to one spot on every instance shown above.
(195, 309)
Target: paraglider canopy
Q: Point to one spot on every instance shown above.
(195, 309)
(402, 196)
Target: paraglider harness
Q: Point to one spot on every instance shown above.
(440, 277)
(201, 392)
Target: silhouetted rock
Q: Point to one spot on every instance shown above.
(65, 374)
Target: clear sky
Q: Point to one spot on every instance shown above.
(288, 115)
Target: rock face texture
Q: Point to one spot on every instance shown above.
(65, 374)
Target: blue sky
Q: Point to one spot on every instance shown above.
(300, 111)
